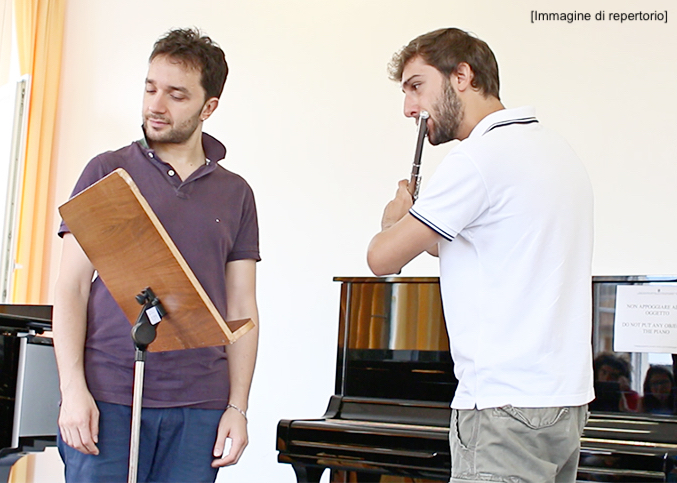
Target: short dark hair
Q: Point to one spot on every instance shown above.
(444, 49)
(199, 52)
(607, 359)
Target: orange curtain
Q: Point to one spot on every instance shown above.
(39, 25)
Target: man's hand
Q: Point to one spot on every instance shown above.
(79, 421)
(233, 425)
(402, 236)
(398, 207)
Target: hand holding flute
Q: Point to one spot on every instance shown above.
(403, 237)
(407, 191)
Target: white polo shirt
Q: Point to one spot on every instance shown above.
(515, 206)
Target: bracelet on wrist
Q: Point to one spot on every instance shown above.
(233, 406)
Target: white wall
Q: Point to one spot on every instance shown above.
(312, 122)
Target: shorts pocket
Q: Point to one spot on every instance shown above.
(465, 425)
(584, 420)
(534, 418)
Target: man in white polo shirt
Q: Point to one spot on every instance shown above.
(509, 212)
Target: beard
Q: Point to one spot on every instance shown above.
(447, 114)
(176, 134)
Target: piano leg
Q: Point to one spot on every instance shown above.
(308, 473)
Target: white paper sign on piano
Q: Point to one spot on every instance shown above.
(646, 319)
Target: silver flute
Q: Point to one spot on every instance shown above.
(415, 180)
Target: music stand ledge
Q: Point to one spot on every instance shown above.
(131, 250)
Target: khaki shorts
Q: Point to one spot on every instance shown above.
(516, 445)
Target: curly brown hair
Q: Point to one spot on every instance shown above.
(445, 49)
(196, 51)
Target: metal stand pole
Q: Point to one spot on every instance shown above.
(143, 333)
(139, 368)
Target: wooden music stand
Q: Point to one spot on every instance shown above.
(130, 249)
(133, 253)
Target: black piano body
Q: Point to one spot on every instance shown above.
(388, 420)
(29, 387)
(394, 381)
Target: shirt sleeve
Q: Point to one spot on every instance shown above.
(246, 244)
(454, 198)
(93, 172)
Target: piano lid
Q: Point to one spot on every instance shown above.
(391, 279)
(392, 329)
(17, 317)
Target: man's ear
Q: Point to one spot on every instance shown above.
(463, 77)
(209, 108)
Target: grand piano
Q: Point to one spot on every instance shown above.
(29, 387)
(388, 420)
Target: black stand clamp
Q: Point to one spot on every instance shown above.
(143, 334)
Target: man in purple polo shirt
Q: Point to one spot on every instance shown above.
(195, 400)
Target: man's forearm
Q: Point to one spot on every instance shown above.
(69, 328)
(241, 363)
(241, 303)
(69, 324)
(394, 247)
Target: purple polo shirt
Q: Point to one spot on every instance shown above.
(211, 217)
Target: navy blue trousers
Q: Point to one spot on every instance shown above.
(176, 446)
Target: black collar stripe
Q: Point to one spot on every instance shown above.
(525, 120)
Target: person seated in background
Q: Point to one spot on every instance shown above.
(659, 394)
(612, 384)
